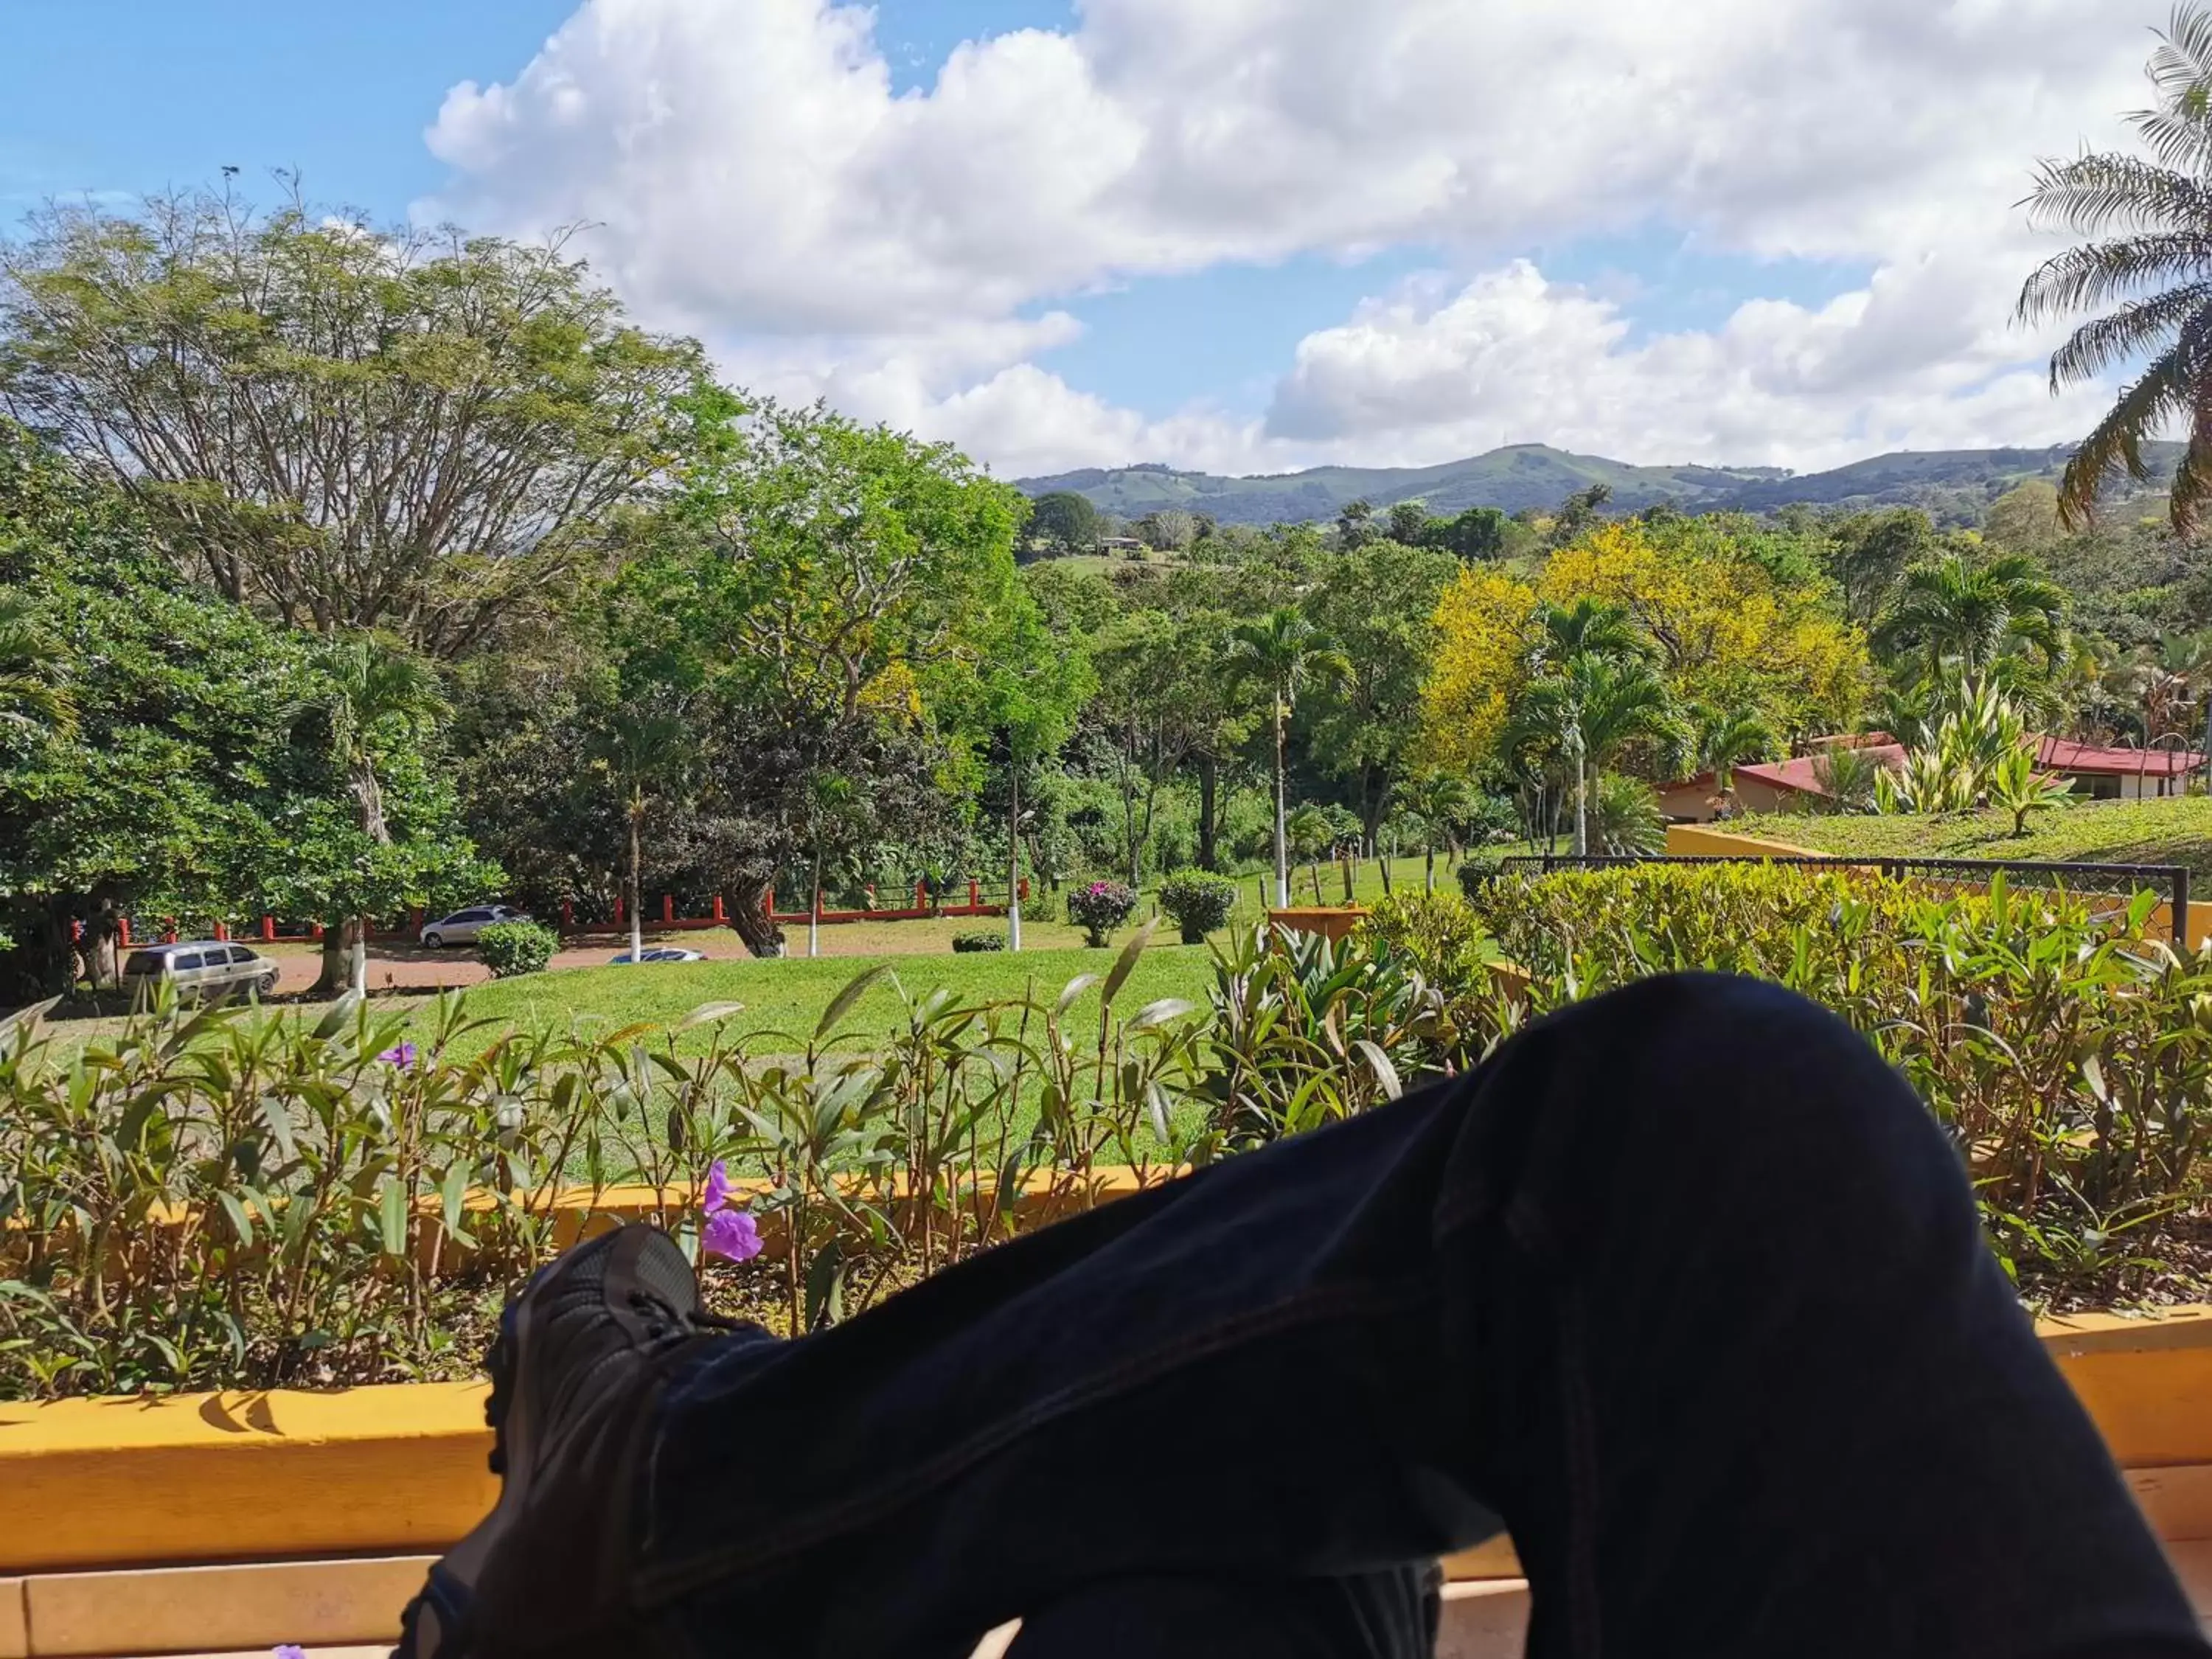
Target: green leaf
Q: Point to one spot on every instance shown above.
(1160, 1012)
(1379, 1063)
(825, 1286)
(1075, 988)
(1132, 953)
(241, 1224)
(391, 1219)
(842, 1004)
(710, 1014)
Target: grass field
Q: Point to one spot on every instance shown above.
(2177, 831)
(784, 1000)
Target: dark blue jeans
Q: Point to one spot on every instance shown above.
(1684, 1287)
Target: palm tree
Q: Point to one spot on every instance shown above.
(1594, 708)
(641, 751)
(1440, 800)
(30, 671)
(1720, 738)
(1587, 627)
(2148, 271)
(1285, 653)
(371, 686)
(1311, 832)
(1972, 613)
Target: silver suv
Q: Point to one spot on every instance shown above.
(199, 969)
(463, 926)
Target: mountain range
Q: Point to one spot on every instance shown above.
(1953, 486)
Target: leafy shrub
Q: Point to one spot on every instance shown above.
(1440, 935)
(1624, 818)
(1198, 903)
(976, 940)
(1305, 1031)
(509, 948)
(1099, 909)
(1477, 875)
(2068, 1056)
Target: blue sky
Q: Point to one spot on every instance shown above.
(1189, 347)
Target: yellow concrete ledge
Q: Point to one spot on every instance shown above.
(1701, 841)
(311, 1603)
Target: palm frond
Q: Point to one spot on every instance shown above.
(2137, 330)
(2098, 191)
(2164, 391)
(2101, 274)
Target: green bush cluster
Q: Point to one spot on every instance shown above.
(2069, 1055)
(1099, 908)
(245, 1197)
(1198, 903)
(977, 940)
(509, 948)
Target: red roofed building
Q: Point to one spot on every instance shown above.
(2118, 773)
(1779, 786)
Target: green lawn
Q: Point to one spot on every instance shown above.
(2177, 831)
(783, 1000)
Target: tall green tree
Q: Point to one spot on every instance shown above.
(350, 427)
(1377, 605)
(1956, 611)
(1443, 801)
(1067, 521)
(33, 676)
(1590, 709)
(2147, 271)
(373, 694)
(643, 748)
(1034, 686)
(1284, 653)
(834, 592)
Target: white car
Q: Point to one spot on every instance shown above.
(463, 926)
(659, 953)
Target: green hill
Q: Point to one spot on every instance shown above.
(1954, 486)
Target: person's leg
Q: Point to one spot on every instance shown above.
(1382, 1615)
(1683, 1283)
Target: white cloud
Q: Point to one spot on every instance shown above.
(749, 173)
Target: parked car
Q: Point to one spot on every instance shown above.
(199, 969)
(463, 926)
(659, 953)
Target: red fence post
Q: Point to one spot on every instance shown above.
(975, 895)
(767, 904)
(1026, 887)
(668, 906)
(567, 915)
(123, 932)
(922, 895)
(618, 910)
(314, 930)
(222, 931)
(268, 927)
(415, 920)
(721, 912)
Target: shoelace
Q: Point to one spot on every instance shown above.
(665, 1323)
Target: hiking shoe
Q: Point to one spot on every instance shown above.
(574, 1369)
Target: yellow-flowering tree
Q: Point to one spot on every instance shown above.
(1729, 634)
(1483, 636)
(1724, 632)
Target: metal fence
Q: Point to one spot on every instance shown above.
(2121, 882)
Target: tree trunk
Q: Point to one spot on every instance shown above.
(1209, 782)
(1014, 856)
(342, 942)
(1282, 821)
(1430, 873)
(750, 921)
(1382, 858)
(814, 903)
(1581, 809)
(636, 898)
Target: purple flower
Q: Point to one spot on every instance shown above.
(717, 1195)
(732, 1235)
(289, 1650)
(403, 1057)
